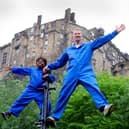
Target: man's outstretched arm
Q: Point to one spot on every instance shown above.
(106, 38)
(120, 28)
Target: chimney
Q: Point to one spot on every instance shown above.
(39, 19)
(69, 17)
(72, 17)
(67, 14)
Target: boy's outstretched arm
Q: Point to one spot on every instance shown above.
(7, 68)
(18, 70)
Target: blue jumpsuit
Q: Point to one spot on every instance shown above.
(31, 91)
(79, 71)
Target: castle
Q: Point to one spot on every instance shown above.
(50, 39)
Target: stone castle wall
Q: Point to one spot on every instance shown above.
(50, 39)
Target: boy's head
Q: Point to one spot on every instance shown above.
(41, 62)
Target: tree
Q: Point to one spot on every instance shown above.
(81, 113)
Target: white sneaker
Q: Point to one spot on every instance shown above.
(108, 109)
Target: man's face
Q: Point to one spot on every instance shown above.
(77, 36)
(40, 63)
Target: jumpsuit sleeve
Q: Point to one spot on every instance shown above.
(103, 40)
(21, 71)
(60, 62)
(51, 78)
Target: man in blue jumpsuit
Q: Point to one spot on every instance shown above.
(31, 92)
(80, 71)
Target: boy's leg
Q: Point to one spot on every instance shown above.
(21, 102)
(39, 101)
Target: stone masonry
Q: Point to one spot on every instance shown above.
(50, 39)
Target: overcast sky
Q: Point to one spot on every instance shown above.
(17, 15)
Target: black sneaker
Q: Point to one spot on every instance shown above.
(39, 123)
(6, 115)
(51, 122)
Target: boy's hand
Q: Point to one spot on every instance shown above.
(45, 76)
(7, 68)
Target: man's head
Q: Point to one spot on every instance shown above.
(41, 62)
(77, 36)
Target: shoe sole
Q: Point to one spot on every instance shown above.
(51, 123)
(111, 109)
(40, 124)
(3, 115)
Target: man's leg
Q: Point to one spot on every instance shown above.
(64, 95)
(98, 97)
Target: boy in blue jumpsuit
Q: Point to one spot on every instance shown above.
(80, 71)
(31, 92)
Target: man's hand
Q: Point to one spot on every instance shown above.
(46, 69)
(120, 28)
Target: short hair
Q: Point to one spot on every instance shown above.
(76, 29)
(43, 59)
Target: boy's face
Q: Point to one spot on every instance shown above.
(40, 63)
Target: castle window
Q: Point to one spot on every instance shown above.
(104, 56)
(34, 45)
(45, 47)
(33, 54)
(61, 36)
(92, 33)
(113, 63)
(113, 54)
(17, 51)
(48, 26)
(43, 27)
(31, 37)
(14, 62)
(42, 35)
(28, 55)
(46, 36)
(63, 27)
(28, 47)
(58, 43)
(53, 25)
(122, 66)
(32, 30)
(103, 64)
(94, 62)
(17, 43)
(4, 59)
(45, 50)
(46, 43)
